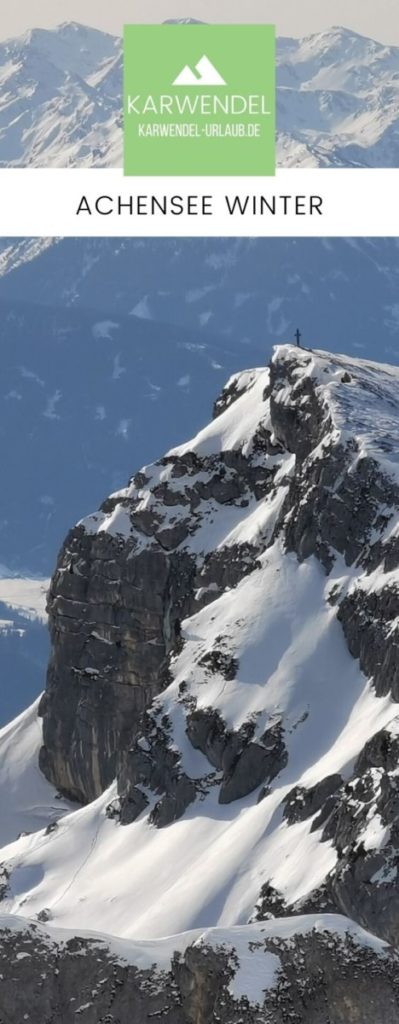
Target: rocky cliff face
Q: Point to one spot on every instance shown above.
(224, 642)
(125, 579)
(299, 975)
(113, 603)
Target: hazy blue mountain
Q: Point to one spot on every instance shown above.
(345, 290)
(84, 399)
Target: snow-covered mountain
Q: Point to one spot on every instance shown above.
(224, 643)
(81, 373)
(338, 101)
(60, 100)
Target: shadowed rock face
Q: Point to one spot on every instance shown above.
(320, 978)
(301, 803)
(370, 627)
(152, 764)
(115, 604)
(364, 883)
(245, 765)
(111, 614)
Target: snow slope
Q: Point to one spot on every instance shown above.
(23, 640)
(61, 104)
(57, 106)
(27, 802)
(207, 869)
(337, 101)
(25, 596)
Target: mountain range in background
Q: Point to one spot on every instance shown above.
(61, 100)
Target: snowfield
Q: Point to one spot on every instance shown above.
(27, 802)
(25, 596)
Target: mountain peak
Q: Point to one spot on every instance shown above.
(183, 21)
(224, 672)
(77, 28)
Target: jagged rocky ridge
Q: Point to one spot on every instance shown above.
(224, 640)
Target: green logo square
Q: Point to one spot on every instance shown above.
(199, 99)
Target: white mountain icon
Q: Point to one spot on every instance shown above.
(206, 74)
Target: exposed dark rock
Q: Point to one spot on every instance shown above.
(218, 660)
(152, 764)
(4, 881)
(319, 901)
(111, 624)
(369, 622)
(202, 976)
(327, 980)
(207, 732)
(364, 827)
(322, 978)
(81, 981)
(223, 568)
(244, 762)
(303, 803)
(52, 827)
(253, 765)
(270, 904)
(302, 422)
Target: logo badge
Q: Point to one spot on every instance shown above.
(206, 74)
(199, 100)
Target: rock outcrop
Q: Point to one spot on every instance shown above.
(112, 609)
(364, 826)
(306, 976)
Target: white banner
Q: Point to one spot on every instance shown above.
(310, 203)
